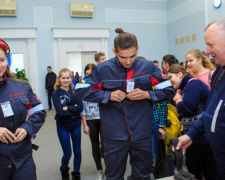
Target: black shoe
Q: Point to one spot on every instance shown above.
(49, 109)
(66, 178)
(65, 174)
(76, 176)
(129, 178)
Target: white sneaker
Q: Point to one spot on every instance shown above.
(100, 175)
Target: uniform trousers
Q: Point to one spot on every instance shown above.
(26, 172)
(116, 153)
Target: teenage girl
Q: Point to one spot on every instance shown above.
(191, 105)
(199, 65)
(68, 122)
(92, 127)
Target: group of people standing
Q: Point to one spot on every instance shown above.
(116, 98)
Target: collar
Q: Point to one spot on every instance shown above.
(184, 81)
(4, 78)
(120, 65)
(117, 61)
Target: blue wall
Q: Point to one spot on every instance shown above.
(156, 23)
(212, 13)
(146, 19)
(185, 19)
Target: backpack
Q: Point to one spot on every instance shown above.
(176, 126)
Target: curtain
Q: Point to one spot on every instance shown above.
(74, 62)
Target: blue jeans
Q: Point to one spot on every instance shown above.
(155, 152)
(65, 132)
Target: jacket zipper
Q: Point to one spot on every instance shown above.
(10, 156)
(129, 75)
(127, 123)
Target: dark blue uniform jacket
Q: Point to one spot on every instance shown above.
(121, 120)
(22, 99)
(213, 121)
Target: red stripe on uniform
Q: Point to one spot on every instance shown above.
(154, 81)
(163, 75)
(31, 115)
(97, 87)
(36, 97)
(29, 106)
(130, 74)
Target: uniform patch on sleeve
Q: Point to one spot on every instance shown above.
(36, 97)
(81, 85)
(84, 80)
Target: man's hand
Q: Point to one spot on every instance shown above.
(184, 142)
(65, 108)
(6, 136)
(46, 91)
(20, 134)
(117, 96)
(138, 94)
(163, 132)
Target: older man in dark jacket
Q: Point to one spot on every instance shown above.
(213, 120)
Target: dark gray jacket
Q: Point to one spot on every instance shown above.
(50, 80)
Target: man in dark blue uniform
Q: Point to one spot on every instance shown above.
(213, 120)
(125, 101)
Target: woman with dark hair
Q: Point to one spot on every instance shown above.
(68, 122)
(92, 127)
(17, 100)
(190, 105)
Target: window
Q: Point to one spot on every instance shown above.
(15, 61)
